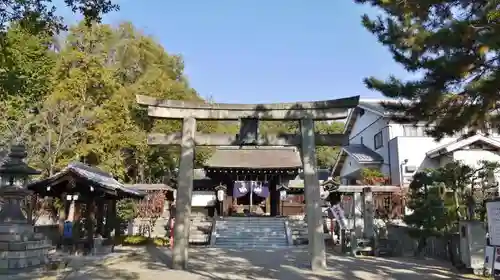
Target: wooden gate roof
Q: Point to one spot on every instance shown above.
(255, 157)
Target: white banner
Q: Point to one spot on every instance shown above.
(339, 215)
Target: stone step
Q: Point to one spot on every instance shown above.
(250, 246)
(263, 238)
(243, 242)
(250, 234)
(250, 242)
(251, 230)
(250, 226)
(273, 226)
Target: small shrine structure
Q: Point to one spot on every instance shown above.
(270, 168)
(90, 196)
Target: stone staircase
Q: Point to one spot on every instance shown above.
(299, 231)
(200, 229)
(251, 232)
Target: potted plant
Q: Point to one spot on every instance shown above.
(372, 176)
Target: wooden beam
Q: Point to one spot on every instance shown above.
(202, 139)
(217, 114)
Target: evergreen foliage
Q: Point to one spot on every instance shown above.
(453, 47)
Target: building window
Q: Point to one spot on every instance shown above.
(416, 130)
(377, 140)
(412, 130)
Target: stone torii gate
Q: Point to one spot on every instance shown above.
(249, 115)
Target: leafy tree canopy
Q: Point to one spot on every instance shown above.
(37, 16)
(453, 46)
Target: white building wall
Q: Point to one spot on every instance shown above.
(473, 157)
(363, 132)
(395, 130)
(414, 150)
(397, 147)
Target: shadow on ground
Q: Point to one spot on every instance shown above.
(291, 264)
(139, 263)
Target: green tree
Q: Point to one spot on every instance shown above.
(101, 69)
(126, 209)
(428, 215)
(326, 156)
(456, 177)
(40, 15)
(26, 62)
(453, 46)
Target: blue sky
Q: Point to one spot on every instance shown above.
(265, 51)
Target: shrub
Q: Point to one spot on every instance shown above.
(138, 240)
(135, 240)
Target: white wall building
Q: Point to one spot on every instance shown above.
(401, 150)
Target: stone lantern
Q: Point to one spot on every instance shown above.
(21, 246)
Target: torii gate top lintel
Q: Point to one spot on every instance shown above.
(316, 110)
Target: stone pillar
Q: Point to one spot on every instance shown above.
(357, 216)
(368, 215)
(184, 194)
(312, 195)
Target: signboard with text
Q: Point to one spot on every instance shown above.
(493, 215)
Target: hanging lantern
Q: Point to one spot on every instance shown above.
(283, 192)
(221, 192)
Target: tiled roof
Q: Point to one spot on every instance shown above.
(98, 177)
(255, 157)
(148, 187)
(363, 154)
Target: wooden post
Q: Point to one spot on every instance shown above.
(100, 217)
(62, 219)
(268, 203)
(109, 219)
(115, 223)
(89, 222)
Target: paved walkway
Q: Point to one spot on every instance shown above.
(288, 264)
